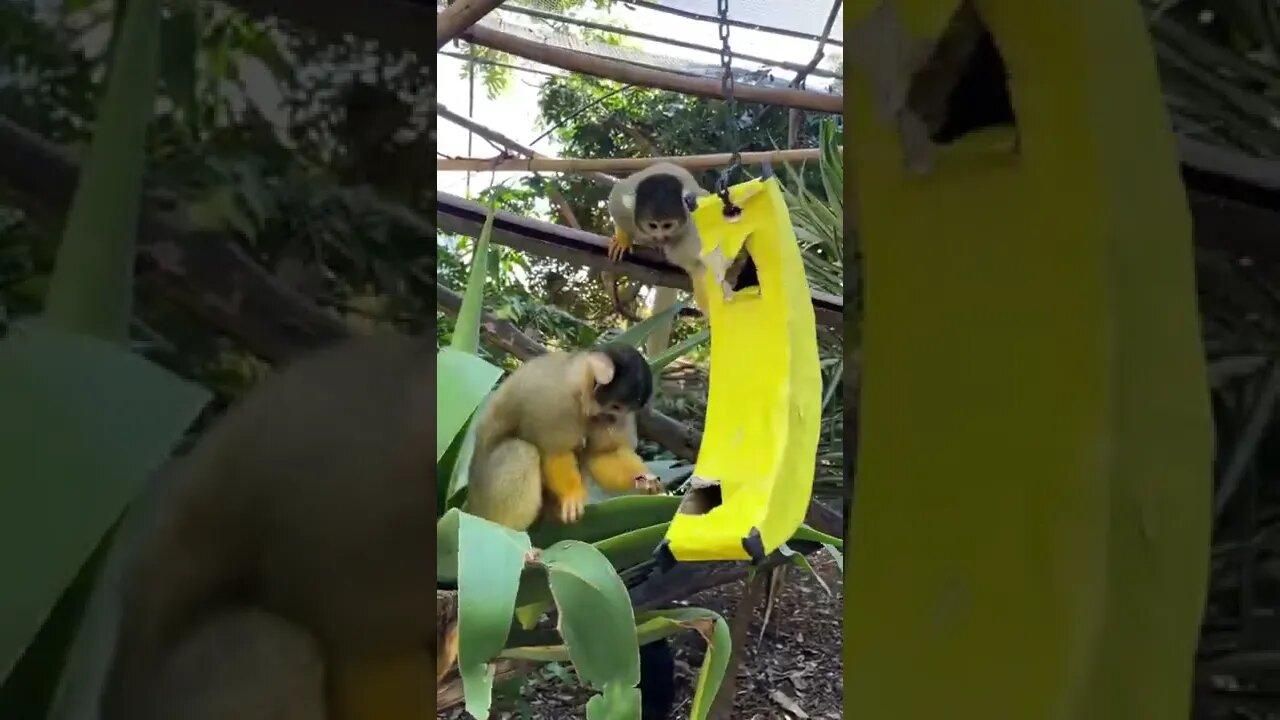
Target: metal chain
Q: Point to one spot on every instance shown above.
(731, 111)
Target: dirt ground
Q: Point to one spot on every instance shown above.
(794, 672)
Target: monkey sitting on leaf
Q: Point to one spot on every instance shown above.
(551, 414)
(654, 207)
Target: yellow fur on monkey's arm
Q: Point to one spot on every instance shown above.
(621, 470)
(561, 476)
(619, 244)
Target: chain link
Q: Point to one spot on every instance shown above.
(731, 109)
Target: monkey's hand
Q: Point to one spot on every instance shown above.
(619, 244)
(561, 476)
(621, 470)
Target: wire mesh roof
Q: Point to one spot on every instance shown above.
(802, 17)
(744, 71)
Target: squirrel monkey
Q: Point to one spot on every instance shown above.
(554, 415)
(652, 207)
(278, 571)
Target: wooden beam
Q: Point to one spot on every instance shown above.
(693, 162)
(674, 42)
(498, 138)
(581, 62)
(459, 16)
(464, 217)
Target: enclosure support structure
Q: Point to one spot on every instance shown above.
(1031, 530)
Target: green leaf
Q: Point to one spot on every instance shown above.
(458, 474)
(596, 619)
(445, 467)
(674, 352)
(638, 333)
(618, 702)
(632, 548)
(466, 329)
(608, 519)
(714, 630)
(490, 561)
(836, 555)
(463, 381)
(447, 545)
(803, 563)
(804, 532)
(91, 290)
(83, 424)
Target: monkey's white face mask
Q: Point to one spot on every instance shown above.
(660, 231)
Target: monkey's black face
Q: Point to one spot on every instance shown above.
(661, 211)
(632, 383)
(660, 230)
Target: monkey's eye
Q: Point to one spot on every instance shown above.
(668, 225)
(651, 226)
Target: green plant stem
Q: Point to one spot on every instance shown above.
(466, 330)
(91, 290)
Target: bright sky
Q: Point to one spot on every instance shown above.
(515, 115)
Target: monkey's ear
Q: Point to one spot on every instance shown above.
(600, 368)
(691, 201)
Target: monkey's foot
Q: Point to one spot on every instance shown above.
(649, 484)
(572, 507)
(619, 244)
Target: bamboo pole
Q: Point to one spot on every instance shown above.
(462, 14)
(593, 165)
(631, 74)
(498, 138)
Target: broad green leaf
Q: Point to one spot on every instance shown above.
(650, 626)
(617, 702)
(836, 555)
(59, 662)
(463, 381)
(445, 468)
(91, 290)
(466, 329)
(460, 471)
(596, 619)
(802, 562)
(83, 424)
(659, 624)
(804, 532)
(447, 545)
(490, 561)
(608, 518)
(632, 548)
(715, 631)
(638, 333)
(623, 551)
(674, 352)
